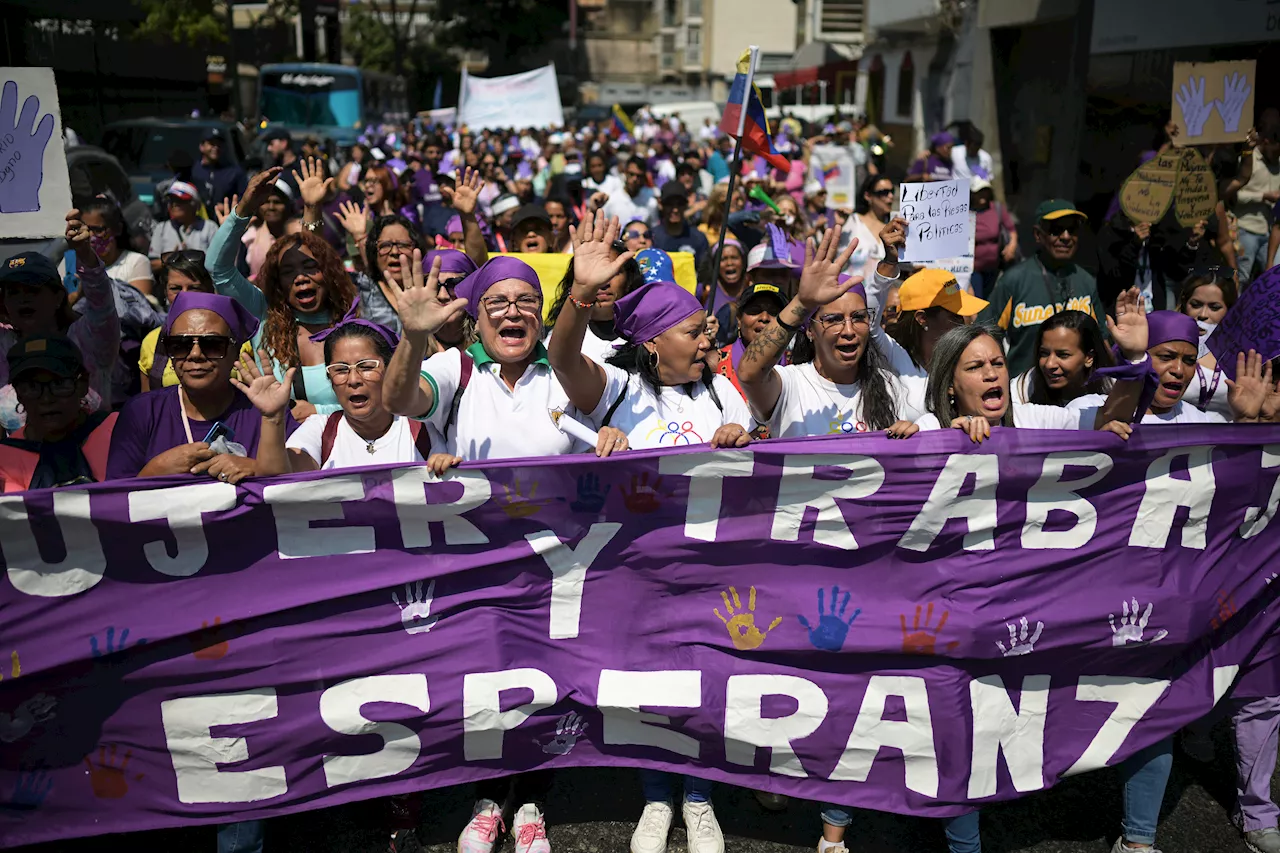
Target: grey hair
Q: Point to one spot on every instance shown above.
(947, 353)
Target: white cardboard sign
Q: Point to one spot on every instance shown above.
(35, 191)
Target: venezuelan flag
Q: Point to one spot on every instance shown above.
(622, 122)
(755, 130)
(830, 171)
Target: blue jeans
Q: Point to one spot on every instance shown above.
(962, 831)
(1253, 258)
(242, 837)
(657, 787)
(1145, 775)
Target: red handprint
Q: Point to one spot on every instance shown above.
(1226, 609)
(642, 498)
(923, 640)
(210, 643)
(107, 779)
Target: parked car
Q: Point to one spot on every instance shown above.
(143, 146)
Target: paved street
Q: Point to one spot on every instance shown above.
(593, 811)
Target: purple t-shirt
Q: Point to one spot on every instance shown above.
(151, 423)
(932, 167)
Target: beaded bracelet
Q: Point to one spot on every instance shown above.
(580, 303)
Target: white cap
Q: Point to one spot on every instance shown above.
(813, 188)
(505, 203)
(977, 184)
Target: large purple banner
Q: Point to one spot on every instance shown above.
(917, 626)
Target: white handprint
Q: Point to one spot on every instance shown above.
(1235, 91)
(1020, 645)
(569, 728)
(1273, 577)
(1132, 625)
(1195, 112)
(37, 709)
(415, 613)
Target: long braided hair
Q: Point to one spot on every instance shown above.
(280, 330)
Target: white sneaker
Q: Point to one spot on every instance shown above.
(481, 834)
(703, 829)
(530, 831)
(837, 846)
(651, 833)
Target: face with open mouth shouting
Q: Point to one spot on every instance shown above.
(1174, 363)
(533, 236)
(510, 321)
(303, 279)
(981, 381)
(682, 350)
(360, 391)
(32, 308)
(839, 332)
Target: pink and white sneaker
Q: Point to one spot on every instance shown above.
(481, 835)
(530, 831)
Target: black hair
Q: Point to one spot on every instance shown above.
(372, 259)
(106, 207)
(860, 204)
(910, 333)
(1091, 343)
(942, 372)
(879, 407)
(1200, 278)
(357, 330)
(634, 358)
(192, 269)
(434, 140)
(686, 169)
(634, 280)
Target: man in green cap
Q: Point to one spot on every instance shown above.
(1032, 291)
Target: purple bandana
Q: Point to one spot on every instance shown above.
(454, 225)
(1166, 326)
(352, 313)
(473, 287)
(451, 261)
(644, 314)
(386, 334)
(239, 320)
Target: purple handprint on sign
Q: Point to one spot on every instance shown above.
(22, 145)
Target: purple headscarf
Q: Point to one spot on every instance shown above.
(454, 225)
(1166, 326)
(645, 313)
(473, 287)
(239, 320)
(451, 261)
(386, 334)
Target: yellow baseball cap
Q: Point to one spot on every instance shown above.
(931, 288)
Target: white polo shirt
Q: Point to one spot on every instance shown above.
(494, 421)
(810, 404)
(350, 450)
(1033, 416)
(672, 418)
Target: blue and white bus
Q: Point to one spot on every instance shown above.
(334, 101)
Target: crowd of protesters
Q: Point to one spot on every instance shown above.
(365, 307)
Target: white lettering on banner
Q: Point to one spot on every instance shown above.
(1051, 493)
(484, 723)
(622, 693)
(297, 505)
(79, 570)
(746, 729)
(415, 514)
(1133, 698)
(998, 727)
(1223, 676)
(196, 755)
(707, 471)
(912, 736)
(978, 509)
(340, 708)
(1255, 519)
(182, 507)
(800, 489)
(569, 573)
(1165, 494)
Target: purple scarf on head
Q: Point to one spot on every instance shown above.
(451, 261)
(352, 313)
(473, 287)
(386, 334)
(239, 320)
(649, 311)
(1162, 327)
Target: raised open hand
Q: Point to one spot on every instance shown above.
(593, 262)
(312, 181)
(354, 219)
(25, 140)
(1235, 91)
(465, 193)
(1195, 112)
(1248, 393)
(820, 281)
(269, 395)
(1129, 327)
(256, 192)
(223, 208)
(418, 301)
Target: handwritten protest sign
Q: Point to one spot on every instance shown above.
(937, 214)
(1146, 195)
(1212, 101)
(833, 166)
(1253, 323)
(962, 265)
(1196, 196)
(35, 192)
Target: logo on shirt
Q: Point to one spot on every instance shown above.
(844, 424)
(1034, 315)
(674, 433)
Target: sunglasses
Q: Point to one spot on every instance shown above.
(33, 389)
(636, 235)
(212, 347)
(879, 193)
(1055, 227)
(195, 256)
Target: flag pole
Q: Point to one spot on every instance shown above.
(734, 169)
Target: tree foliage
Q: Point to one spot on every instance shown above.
(200, 23)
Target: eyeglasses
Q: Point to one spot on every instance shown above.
(497, 306)
(371, 182)
(386, 247)
(340, 372)
(32, 389)
(212, 347)
(195, 256)
(837, 321)
(638, 235)
(1054, 227)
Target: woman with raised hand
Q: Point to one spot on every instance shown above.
(301, 290)
(1069, 352)
(837, 382)
(657, 387)
(601, 338)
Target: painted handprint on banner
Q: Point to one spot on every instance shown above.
(211, 641)
(32, 787)
(1195, 112)
(15, 666)
(742, 624)
(35, 709)
(1235, 92)
(830, 632)
(569, 728)
(110, 644)
(1019, 642)
(108, 778)
(642, 498)
(22, 145)
(1132, 625)
(922, 639)
(415, 613)
(590, 497)
(1226, 609)
(519, 505)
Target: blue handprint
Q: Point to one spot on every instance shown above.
(111, 646)
(590, 497)
(31, 788)
(831, 630)
(22, 145)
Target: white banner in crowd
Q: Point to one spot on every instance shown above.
(937, 214)
(530, 99)
(832, 165)
(35, 192)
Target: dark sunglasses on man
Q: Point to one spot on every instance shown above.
(212, 347)
(1054, 227)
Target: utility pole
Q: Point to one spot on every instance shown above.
(233, 66)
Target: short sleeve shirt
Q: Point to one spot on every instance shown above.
(1028, 416)
(810, 404)
(672, 417)
(350, 450)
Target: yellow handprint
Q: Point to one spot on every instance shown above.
(15, 667)
(517, 505)
(742, 625)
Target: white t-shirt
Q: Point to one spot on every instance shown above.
(673, 419)
(610, 186)
(494, 421)
(1181, 413)
(1216, 401)
(1033, 416)
(349, 449)
(964, 165)
(812, 405)
(129, 267)
(644, 207)
(594, 347)
(899, 359)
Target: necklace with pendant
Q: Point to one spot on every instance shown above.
(368, 446)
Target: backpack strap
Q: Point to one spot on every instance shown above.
(159, 361)
(329, 435)
(464, 379)
(299, 387)
(421, 438)
(613, 407)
